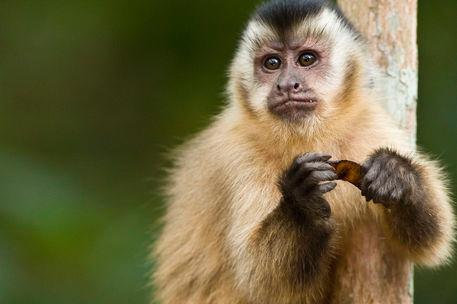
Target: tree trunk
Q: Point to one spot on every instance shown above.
(374, 274)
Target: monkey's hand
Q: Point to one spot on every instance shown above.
(389, 178)
(305, 182)
(418, 215)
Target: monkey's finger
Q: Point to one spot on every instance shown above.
(304, 159)
(373, 171)
(307, 168)
(370, 162)
(367, 165)
(320, 176)
(318, 166)
(380, 182)
(313, 157)
(370, 176)
(326, 187)
(296, 165)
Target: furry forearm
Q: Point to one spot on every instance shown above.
(422, 222)
(291, 250)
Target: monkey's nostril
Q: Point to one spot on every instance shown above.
(296, 86)
(278, 87)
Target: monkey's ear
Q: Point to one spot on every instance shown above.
(348, 171)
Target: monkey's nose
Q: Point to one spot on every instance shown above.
(289, 87)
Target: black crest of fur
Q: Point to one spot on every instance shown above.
(284, 14)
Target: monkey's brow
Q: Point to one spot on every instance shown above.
(277, 46)
(281, 46)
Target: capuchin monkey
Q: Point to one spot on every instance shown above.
(255, 213)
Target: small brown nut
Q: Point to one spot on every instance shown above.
(348, 171)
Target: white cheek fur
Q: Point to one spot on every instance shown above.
(243, 66)
(258, 98)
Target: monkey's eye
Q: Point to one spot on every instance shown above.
(272, 63)
(307, 59)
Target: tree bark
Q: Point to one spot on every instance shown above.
(374, 274)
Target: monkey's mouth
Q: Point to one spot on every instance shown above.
(294, 105)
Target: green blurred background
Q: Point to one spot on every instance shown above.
(92, 96)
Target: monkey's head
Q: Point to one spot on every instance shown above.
(297, 61)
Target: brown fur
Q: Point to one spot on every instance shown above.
(224, 185)
(227, 239)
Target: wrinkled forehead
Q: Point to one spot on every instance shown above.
(324, 26)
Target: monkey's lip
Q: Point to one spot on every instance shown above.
(297, 103)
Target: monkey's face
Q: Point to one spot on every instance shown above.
(298, 71)
(294, 74)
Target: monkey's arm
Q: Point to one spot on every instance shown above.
(291, 248)
(418, 212)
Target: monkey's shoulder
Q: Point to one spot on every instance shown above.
(377, 130)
